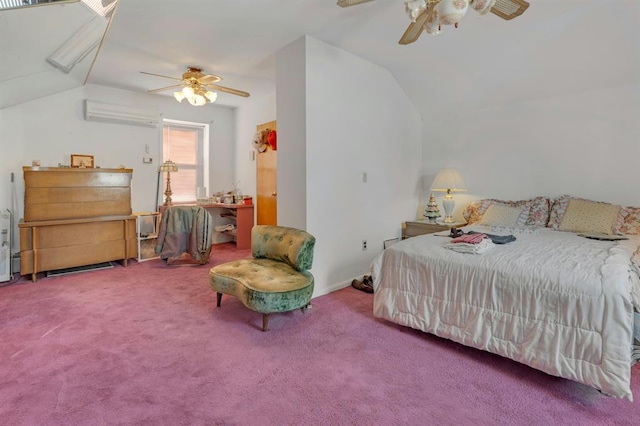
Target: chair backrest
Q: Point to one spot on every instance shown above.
(289, 245)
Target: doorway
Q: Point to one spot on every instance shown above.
(267, 182)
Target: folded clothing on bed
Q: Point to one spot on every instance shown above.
(484, 245)
(469, 238)
(497, 239)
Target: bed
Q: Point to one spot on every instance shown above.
(552, 299)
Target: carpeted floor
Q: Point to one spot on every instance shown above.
(146, 345)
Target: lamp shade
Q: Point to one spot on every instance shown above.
(179, 96)
(448, 180)
(168, 166)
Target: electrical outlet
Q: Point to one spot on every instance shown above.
(364, 245)
(147, 160)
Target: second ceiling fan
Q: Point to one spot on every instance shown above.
(431, 15)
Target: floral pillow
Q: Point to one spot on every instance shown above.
(631, 224)
(539, 208)
(560, 205)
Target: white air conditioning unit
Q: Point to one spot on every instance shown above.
(119, 114)
(5, 245)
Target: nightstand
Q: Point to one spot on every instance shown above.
(421, 227)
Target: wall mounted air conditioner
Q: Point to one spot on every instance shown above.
(5, 245)
(119, 114)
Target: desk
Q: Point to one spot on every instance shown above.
(239, 215)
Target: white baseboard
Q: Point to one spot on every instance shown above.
(337, 286)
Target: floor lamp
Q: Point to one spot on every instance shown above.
(168, 166)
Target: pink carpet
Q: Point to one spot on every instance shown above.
(146, 345)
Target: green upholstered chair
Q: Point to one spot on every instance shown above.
(276, 279)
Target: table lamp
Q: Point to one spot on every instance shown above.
(168, 166)
(448, 180)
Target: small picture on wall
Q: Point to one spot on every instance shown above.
(82, 161)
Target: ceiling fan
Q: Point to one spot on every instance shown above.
(197, 87)
(431, 15)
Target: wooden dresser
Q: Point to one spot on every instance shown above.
(75, 217)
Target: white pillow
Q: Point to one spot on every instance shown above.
(499, 215)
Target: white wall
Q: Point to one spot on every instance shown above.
(258, 111)
(291, 80)
(52, 128)
(584, 144)
(354, 119)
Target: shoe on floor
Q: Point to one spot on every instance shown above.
(359, 285)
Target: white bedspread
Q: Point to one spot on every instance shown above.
(553, 300)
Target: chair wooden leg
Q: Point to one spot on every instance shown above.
(265, 322)
(219, 299)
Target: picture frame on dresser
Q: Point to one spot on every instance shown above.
(82, 161)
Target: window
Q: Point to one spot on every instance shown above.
(183, 143)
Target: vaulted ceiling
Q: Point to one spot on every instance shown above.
(556, 47)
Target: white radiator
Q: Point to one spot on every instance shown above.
(5, 245)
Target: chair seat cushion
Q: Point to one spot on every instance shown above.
(263, 285)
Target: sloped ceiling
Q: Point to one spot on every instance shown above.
(555, 47)
(27, 37)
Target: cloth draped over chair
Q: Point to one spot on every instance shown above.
(185, 229)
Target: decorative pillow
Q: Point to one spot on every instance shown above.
(589, 216)
(501, 215)
(539, 208)
(560, 205)
(474, 211)
(631, 224)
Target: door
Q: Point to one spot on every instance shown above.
(266, 182)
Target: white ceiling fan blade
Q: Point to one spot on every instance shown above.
(228, 90)
(162, 89)
(158, 75)
(347, 3)
(209, 78)
(509, 9)
(414, 29)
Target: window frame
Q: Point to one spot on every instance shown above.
(202, 157)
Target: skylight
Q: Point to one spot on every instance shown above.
(14, 4)
(101, 7)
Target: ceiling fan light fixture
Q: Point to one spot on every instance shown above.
(432, 26)
(179, 96)
(212, 96)
(483, 6)
(450, 12)
(188, 92)
(415, 8)
(197, 100)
